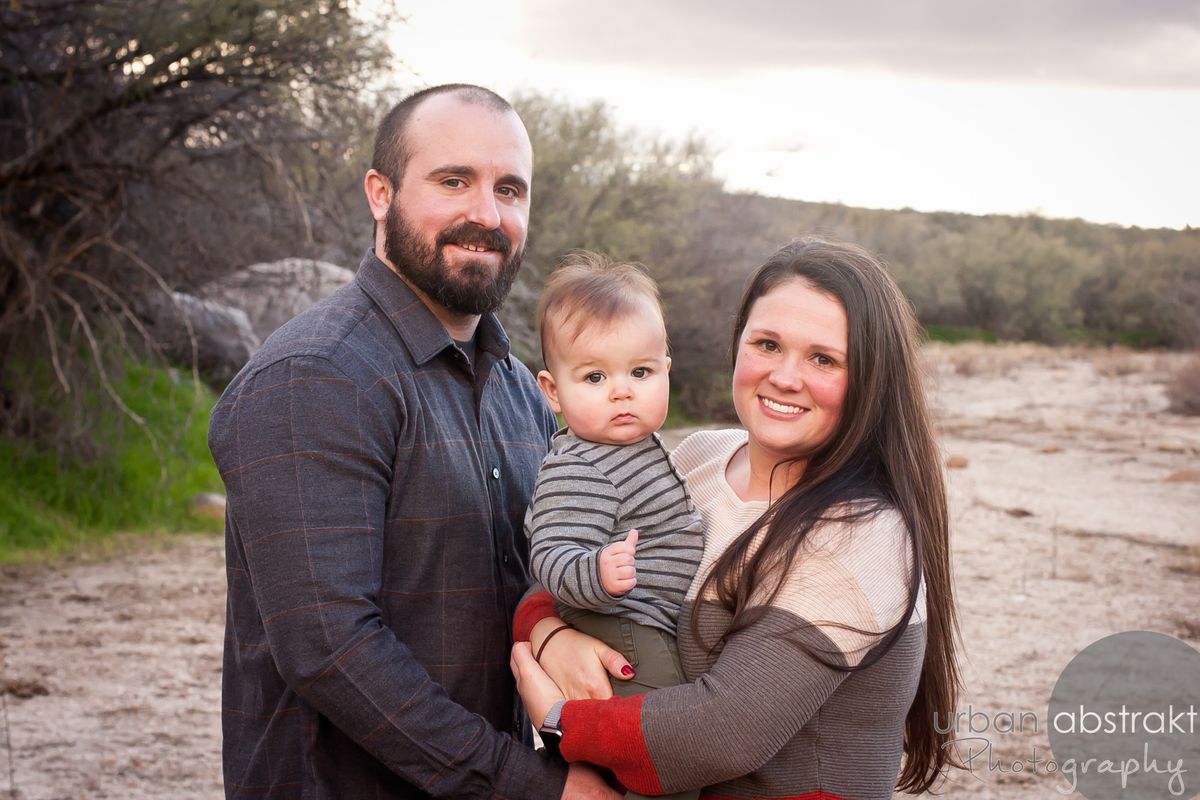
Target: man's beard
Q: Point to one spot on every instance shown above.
(470, 289)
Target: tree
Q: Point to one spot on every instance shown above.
(150, 146)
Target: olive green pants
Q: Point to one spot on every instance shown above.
(652, 654)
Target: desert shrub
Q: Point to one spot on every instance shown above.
(1183, 390)
(135, 477)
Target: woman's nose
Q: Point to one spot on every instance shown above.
(786, 377)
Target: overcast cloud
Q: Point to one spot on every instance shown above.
(1118, 43)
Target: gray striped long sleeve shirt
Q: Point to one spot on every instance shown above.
(590, 495)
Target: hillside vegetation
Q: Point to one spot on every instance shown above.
(155, 146)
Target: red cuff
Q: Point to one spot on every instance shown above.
(530, 612)
(609, 733)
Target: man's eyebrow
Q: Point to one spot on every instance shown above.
(470, 172)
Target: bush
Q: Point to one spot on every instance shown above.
(1184, 388)
(132, 480)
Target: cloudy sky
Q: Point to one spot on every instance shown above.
(1067, 108)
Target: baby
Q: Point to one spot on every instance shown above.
(607, 490)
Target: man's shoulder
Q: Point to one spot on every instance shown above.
(345, 330)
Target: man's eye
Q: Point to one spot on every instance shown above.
(640, 372)
(594, 377)
(508, 191)
(453, 183)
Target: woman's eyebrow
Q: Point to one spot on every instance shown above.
(770, 334)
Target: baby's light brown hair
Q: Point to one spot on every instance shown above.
(588, 288)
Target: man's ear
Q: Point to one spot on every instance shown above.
(379, 194)
(550, 390)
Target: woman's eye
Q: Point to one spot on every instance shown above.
(824, 360)
(640, 372)
(769, 345)
(594, 377)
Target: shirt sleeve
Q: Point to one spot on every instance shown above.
(307, 458)
(570, 520)
(759, 692)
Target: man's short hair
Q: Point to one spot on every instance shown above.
(391, 148)
(588, 288)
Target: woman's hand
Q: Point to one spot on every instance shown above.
(578, 664)
(537, 689)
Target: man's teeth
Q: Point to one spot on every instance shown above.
(474, 248)
(781, 408)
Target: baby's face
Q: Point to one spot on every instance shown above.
(610, 383)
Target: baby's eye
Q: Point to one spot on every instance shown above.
(594, 377)
(640, 372)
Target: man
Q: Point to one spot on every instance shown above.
(378, 453)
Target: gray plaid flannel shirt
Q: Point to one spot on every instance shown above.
(376, 488)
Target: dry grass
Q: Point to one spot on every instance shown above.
(1183, 389)
(973, 359)
(977, 359)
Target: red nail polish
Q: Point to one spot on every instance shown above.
(627, 671)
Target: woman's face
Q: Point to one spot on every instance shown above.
(790, 377)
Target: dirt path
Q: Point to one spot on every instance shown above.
(1066, 529)
(113, 673)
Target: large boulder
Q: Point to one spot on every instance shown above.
(273, 292)
(224, 337)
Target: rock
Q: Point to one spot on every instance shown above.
(208, 505)
(1184, 476)
(272, 292)
(956, 462)
(224, 339)
(23, 688)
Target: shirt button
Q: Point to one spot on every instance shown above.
(504, 558)
(496, 473)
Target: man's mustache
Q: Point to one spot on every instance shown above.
(470, 233)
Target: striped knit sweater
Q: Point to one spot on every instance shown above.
(761, 718)
(589, 495)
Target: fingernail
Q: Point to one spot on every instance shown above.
(627, 671)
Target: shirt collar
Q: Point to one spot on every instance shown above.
(418, 328)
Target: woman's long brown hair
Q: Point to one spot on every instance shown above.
(882, 453)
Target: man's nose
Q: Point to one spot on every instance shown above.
(484, 211)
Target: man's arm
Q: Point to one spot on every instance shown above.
(307, 458)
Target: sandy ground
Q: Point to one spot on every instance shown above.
(1067, 526)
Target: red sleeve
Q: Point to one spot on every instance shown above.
(609, 733)
(531, 610)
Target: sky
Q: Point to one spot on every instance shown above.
(1064, 108)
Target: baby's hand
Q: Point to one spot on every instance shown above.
(618, 567)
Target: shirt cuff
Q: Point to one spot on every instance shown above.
(609, 733)
(532, 775)
(530, 612)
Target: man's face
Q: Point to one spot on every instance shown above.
(457, 224)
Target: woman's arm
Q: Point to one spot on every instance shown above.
(759, 692)
(574, 661)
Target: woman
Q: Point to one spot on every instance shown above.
(819, 631)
